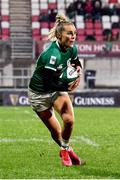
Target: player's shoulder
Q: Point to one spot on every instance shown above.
(52, 50)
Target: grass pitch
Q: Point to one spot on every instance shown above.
(28, 152)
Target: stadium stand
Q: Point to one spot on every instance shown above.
(0, 20)
(21, 30)
(26, 24)
(44, 12)
(104, 23)
(5, 26)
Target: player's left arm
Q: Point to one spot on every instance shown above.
(75, 61)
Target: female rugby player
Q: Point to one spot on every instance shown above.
(46, 94)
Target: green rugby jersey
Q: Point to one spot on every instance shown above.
(52, 58)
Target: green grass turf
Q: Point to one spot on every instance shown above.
(28, 152)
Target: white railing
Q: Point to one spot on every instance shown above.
(103, 81)
(14, 81)
(19, 82)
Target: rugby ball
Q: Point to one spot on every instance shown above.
(69, 75)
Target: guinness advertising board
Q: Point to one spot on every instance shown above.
(94, 99)
(85, 99)
(15, 98)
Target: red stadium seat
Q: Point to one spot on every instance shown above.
(35, 18)
(97, 25)
(35, 31)
(5, 31)
(52, 6)
(99, 37)
(115, 30)
(89, 25)
(36, 37)
(113, 1)
(80, 31)
(5, 18)
(89, 31)
(4, 37)
(98, 31)
(44, 24)
(115, 33)
(81, 38)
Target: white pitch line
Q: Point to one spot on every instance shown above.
(87, 141)
(46, 139)
(12, 140)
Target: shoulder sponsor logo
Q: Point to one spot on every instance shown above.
(52, 60)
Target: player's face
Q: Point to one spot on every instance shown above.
(68, 36)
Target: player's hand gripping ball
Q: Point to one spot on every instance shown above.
(69, 75)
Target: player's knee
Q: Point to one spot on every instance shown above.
(69, 120)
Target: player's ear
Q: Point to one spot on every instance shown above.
(59, 35)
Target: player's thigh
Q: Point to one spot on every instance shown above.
(63, 104)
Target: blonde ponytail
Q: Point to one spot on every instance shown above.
(52, 34)
(61, 19)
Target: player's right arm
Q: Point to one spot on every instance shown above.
(50, 72)
(51, 81)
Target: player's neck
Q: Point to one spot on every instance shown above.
(62, 48)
